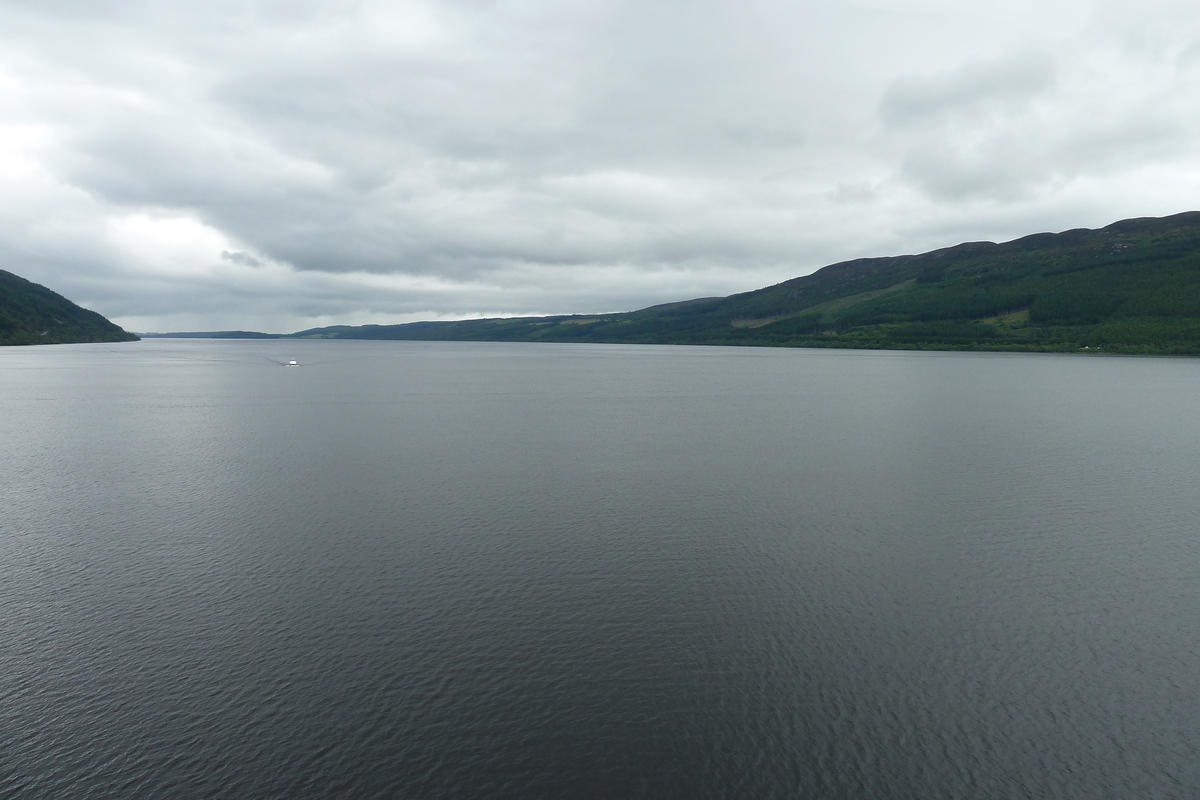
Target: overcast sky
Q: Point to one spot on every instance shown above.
(276, 165)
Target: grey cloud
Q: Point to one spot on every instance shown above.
(1013, 80)
(855, 192)
(1189, 56)
(1000, 170)
(241, 258)
(1018, 129)
(370, 160)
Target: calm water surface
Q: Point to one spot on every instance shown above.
(444, 570)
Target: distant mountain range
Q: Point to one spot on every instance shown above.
(1130, 287)
(32, 314)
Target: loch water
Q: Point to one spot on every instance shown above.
(459, 570)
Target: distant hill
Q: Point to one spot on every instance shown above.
(213, 335)
(1131, 287)
(32, 314)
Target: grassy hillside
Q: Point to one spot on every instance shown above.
(1131, 287)
(32, 314)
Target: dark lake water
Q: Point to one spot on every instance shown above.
(444, 570)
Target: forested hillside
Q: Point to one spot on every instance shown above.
(1131, 287)
(32, 314)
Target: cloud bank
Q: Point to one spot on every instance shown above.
(279, 165)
